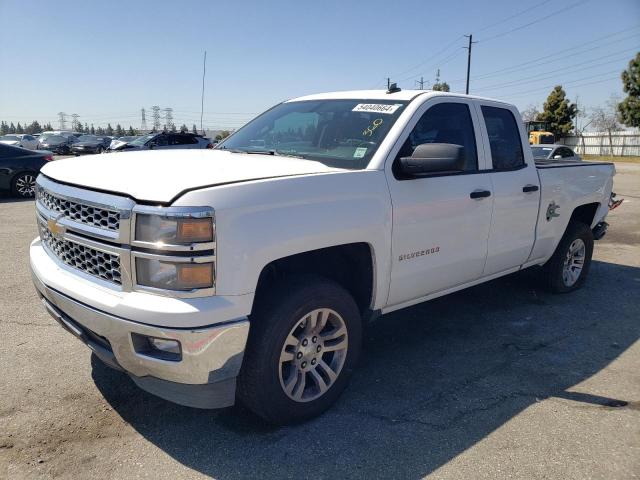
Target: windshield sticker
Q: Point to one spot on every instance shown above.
(377, 108)
(360, 152)
(367, 132)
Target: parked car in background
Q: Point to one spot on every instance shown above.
(60, 144)
(19, 168)
(20, 140)
(90, 144)
(554, 152)
(117, 142)
(165, 141)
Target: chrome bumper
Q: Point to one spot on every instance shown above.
(204, 377)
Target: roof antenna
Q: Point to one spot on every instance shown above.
(393, 88)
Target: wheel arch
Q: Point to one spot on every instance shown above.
(350, 265)
(585, 213)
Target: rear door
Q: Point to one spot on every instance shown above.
(516, 188)
(440, 223)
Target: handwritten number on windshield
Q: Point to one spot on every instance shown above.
(368, 132)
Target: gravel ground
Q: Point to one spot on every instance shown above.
(499, 381)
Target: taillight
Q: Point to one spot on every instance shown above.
(209, 145)
(49, 158)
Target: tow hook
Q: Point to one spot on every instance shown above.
(599, 230)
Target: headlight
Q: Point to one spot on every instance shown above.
(174, 250)
(173, 230)
(172, 275)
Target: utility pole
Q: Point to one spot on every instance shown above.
(62, 119)
(421, 83)
(204, 72)
(471, 42)
(388, 83)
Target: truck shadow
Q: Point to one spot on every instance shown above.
(434, 380)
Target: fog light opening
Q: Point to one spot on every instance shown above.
(155, 347)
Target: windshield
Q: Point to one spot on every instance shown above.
(11, 138)
(541, 152)
(87, 138)
(339, 133)
(139, 142)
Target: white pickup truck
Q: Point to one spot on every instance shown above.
(248, 271)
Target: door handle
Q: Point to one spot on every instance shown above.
(480, 194)
(530, 188)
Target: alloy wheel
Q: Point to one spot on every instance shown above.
(574, 262)
(313, 355)
(26, 185)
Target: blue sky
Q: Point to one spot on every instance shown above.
(106, 60)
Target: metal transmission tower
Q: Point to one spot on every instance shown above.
(62, 119)
(74, 122)
(168, 118)
(143, 123)
(156, 117)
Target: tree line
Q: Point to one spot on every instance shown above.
(36, 127)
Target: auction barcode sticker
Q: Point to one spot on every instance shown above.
(377, 108)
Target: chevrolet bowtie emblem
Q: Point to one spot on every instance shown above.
(55, 228)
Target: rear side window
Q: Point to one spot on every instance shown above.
(504, 138)
(445, 123)
(183, 140)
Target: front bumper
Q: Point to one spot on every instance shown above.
(203, 377)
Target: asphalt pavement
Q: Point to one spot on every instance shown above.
(503, 380)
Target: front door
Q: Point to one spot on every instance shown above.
(440, 232)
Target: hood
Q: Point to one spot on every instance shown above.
(160, 176)
(10, 142)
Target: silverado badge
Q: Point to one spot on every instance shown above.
(552, 211)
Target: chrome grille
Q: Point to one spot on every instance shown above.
(86, 259)
(87, 214)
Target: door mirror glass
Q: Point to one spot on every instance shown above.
(433, 158)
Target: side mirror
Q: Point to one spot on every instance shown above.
(557, 156)
(151, 145)
(433, 158)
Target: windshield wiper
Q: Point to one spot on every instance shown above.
(266, 152)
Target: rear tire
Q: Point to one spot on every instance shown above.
(568, 268)
(24, 185)
(303, 345)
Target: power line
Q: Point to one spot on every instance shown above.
(537, 61)
(500, 22)
(538, 78)
(568, 83)
(552, 14)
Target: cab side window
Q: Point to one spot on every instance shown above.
(445, 123)
(504, 138)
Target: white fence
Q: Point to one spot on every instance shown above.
(619, 144)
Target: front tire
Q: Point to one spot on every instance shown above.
(304, 342)
(568, 268)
